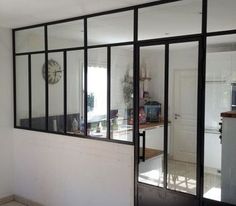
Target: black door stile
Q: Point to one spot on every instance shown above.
(65, 90)
(30, 91)
(166, 122)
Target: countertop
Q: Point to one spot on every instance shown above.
(230, 114)
(149, 125)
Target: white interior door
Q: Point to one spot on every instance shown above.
(185, 115)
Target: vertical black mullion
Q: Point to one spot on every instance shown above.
(65, 90)
(85, 76)
(136, 105)
(46, 76)
(14, 74)
(166, 113)
(108, 92)
(30, 91)
(201, 104)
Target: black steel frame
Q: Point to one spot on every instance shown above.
(200, 37)
(166, 44)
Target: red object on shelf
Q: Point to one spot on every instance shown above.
(142, 116)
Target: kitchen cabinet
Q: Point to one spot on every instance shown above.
(155, 137)
(228, 172)
(212, 152)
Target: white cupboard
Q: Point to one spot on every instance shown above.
(155, 137)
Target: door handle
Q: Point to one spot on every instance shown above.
(143, 135)
(177, 115)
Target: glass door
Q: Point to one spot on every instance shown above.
(168, 96)
(151, 114)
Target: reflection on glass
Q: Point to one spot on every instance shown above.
(75, 101)
(221, 15)
(97, 92)
(38, 92)
(56, 92)
(183, 78)
(29, 40)
(66, 35)
(111, 28)
(171, 19)
(151, 114)
(219, 162)
(22, 94)
(121, 93)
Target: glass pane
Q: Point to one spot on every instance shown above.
(66, 35)
(75, 98)
(29, 40)
(151, 114)
(22, 91)
(56, 92)
(121, 93)
(219, 167)
(97, 92)
(171, 19)
(183, 82)
(38, 92)
(112, 28)
(221, 15)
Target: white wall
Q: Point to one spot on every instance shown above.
(6, 114)
(60, 170)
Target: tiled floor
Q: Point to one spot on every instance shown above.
(181, 177)
(12, 204)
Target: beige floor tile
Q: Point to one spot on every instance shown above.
(181, 176)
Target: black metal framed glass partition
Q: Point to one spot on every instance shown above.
(178, 23)
(117, 26)
(97, 92)
(121, 93)
(182, 115)
(156, 76)
(75, 92)
(152, 99)
(56, 80)
(22, 90)
(219, 169)
(37, 92)
(221, 15)
(66, 35)
(30, 40)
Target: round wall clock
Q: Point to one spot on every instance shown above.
(54, 71)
